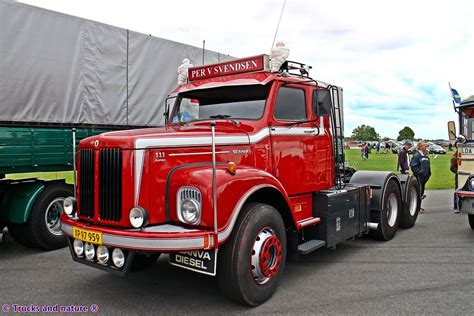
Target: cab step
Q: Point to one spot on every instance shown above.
(310, 246)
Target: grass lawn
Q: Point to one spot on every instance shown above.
(441, 177)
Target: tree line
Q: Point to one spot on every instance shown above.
(366, 132)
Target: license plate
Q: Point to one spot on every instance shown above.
(196, 260)
(87, 235)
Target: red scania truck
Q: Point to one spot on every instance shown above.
(248, 171)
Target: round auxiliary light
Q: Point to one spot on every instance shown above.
(118, 258)
(78, 246)
(69, 205)
(102, 254)
(138, 216)
(89, 251)
(471, 183)
(190, 211)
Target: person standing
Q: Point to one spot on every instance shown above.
(367, 151)
(454, 169)
(420, 165)
(377, 147)
(403, 163)
(362, 151)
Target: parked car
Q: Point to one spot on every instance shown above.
(436, 149)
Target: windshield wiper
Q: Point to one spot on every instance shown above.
(224, 117)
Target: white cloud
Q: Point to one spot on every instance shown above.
(394, 59)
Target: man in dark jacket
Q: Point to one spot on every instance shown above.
(403, 159)
(420, 165)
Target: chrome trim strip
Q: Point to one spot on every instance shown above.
(199, 153)
(307, 222)
(464, 173)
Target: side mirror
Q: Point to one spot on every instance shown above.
(452, 131)
(321, 102)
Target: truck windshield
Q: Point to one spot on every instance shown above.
(467, 123)
(234, 102)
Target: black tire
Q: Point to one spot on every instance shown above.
(411, 207)
(389, 217)
(471, 220)
(252, 262)
(142, 261)
(35, 232)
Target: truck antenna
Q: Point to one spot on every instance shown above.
(204, 49)
(278, 25)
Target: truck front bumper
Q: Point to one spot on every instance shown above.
(465, 201)
(159, 238)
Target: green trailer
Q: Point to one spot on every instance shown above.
(31, 207)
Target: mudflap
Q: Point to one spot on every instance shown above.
(202, 261)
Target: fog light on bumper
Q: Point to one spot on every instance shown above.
(102, 254)
(78, 246)
(118, 258)
(89, 251)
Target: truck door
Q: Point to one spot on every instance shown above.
(294, 138)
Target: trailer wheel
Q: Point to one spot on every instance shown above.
(471, 220)
(389, 217)
(253, 259)
(142, 261)
(411, 207)
(43, 228)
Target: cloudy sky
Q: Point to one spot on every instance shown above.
(393, 59)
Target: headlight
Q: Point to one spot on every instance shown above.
(118, 258)
(69, 205)
(102, 254)
(471, 183)
(189, 205)
(89, 251)
(138, 216)
(190, 211)
(78, 247)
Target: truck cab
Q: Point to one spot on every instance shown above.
(247, 171)
(464, 190)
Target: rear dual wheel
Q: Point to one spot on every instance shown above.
(389, 217)
(252, 261)
(411, 208)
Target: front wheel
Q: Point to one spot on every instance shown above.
(252, 261)
(471, 220)
(389, 217)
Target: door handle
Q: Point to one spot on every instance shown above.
(310, 131)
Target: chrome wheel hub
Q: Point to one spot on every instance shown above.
(392, 210)
(413, 201)
(265, 256)
(52, 214)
